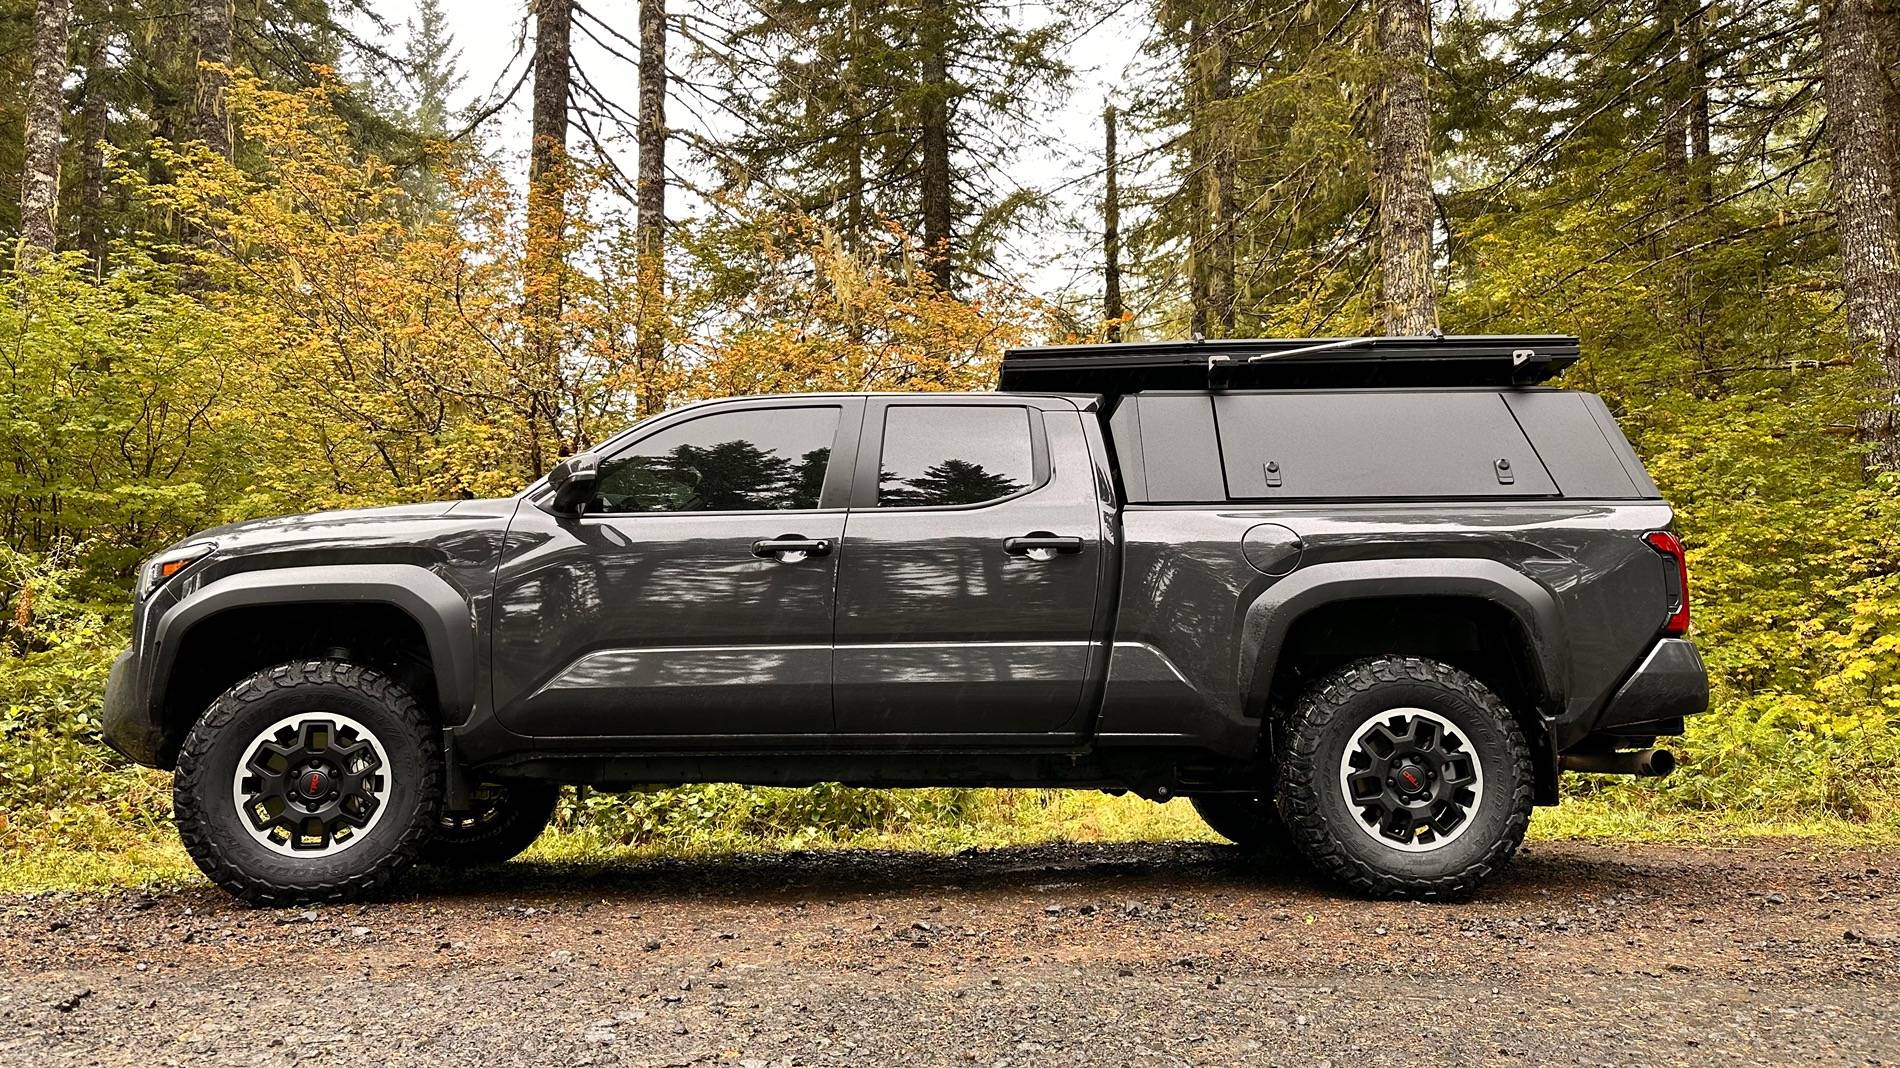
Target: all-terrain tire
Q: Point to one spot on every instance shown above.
(204, 798)
(1250, 821)
(509, 817)
(1335, 837)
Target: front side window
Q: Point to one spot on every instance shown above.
(760, 459)
(951, 455)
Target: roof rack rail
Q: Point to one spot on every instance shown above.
(1290, 363)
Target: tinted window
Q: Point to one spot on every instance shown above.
(764, 458)
(953, 455)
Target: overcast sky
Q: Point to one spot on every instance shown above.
(1055, 260)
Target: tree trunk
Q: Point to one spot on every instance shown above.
(1217, 72)
(165, 77)
(39, 172)
(1674, 87)
(92, 157)
(1198, 259)
(544, 269)
(1887, 32)
(1689, 170)
(1111, 234)
(547, 158)
(211, 31)
(1854, 87)
(1404, 159)
(650, 222)
(1702, 164)
(936, 140)
(855, 136)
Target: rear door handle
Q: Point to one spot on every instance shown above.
(1041, 546)
(791, 548)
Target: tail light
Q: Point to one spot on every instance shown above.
(1677, 578)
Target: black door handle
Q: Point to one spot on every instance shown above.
(791, 548)
(1041, 546)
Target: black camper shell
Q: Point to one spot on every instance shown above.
(1345, 419)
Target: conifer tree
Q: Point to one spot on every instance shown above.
(855, 112)
(545, 268)
(212, 31)
(1858, 130)
(432, 75)
(650, 193)
(39, 172)
(1404, 169)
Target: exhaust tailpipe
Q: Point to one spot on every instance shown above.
(1651, 763)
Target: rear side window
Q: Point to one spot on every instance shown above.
(1378, 445)
(756, 459)
(942, 455)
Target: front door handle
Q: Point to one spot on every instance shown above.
(1042, 545)
(791, 548)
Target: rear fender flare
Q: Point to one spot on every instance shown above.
(438, 609)
(1271, 617)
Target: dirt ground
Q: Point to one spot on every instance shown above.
(1101, 954)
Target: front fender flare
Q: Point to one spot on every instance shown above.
(1267, 621)
(438, 609)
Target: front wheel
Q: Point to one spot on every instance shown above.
(1405, 777)
(311, 781)
(502, 820)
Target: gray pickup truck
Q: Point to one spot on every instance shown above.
(1361, 601)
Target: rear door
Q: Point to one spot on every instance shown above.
(694, 597)
(968, 594)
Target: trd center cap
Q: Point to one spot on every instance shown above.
(1411, 779)
(313, 783)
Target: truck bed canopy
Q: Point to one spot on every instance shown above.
(1290, 363)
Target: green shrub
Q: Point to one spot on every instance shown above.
(726, 813)
(56, 779)
(1795, 572)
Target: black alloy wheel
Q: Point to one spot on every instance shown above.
(1412, 778)
(313, 784)
(502, 820)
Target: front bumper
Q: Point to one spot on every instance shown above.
(126, 722)
(1669, 684)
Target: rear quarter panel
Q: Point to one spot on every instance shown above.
(1185, 657)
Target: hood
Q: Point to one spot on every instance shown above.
(404, 529)
(353, 521)
(443, 535)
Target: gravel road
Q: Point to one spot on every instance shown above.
(1061, 955)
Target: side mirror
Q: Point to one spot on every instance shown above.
(572, 481)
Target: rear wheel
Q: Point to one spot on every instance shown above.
(1250, 821)
(503, 820)
(310, 781)
(1405, 777)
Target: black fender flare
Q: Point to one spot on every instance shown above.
(438, 609)
(1267, 621)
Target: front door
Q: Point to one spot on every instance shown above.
(967, 596)
(694, 597)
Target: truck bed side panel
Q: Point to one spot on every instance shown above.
(1183, 666)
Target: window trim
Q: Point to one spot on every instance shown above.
(864, 489)
(833, 495)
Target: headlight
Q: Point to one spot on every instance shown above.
(161, 568)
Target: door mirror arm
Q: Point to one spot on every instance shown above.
(572, 481)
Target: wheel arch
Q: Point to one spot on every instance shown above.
(386, 606)
(1481, 616)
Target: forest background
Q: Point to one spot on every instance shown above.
(273, 256)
